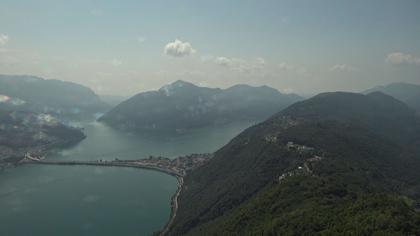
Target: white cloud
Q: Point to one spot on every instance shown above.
(4, 39)
(399, 58)
(178, 49)
(235, 64)
(141, 39)
(296, 69)
(116, 62)
(342, 68)
(286, 67)
(223, 61)
(241, 65)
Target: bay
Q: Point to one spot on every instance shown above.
(86, 200)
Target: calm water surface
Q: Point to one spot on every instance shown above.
(83, 200)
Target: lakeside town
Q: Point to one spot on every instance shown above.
(178, 167)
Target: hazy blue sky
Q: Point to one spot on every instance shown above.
(124, 47)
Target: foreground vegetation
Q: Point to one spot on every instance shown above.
(315, 206)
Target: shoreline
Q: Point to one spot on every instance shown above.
(174, 198)
(174, 207)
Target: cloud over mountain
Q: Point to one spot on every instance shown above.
(241, 65)
(342, 68)
(399, 58)
(178, 48)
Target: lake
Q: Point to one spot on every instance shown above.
(86, 200)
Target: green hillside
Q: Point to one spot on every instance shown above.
(308, 169)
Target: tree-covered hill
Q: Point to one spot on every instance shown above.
(182, 106)
(59, 98)
(23, 131)
(338, 162)
(408, 93)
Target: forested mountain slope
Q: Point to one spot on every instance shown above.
(338, 162)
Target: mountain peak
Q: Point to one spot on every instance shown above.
(340, 103)
(183, 105)
(182, 83)
(172, 88)
(246, 87)
(380, 94)
(408, 93)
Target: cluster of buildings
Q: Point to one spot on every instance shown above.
(300, 148)
(178, 166)
(305, 168)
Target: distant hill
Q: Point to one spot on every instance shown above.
(23, 131)
(408, 93)
(62, 99)
(338, 163)
(182, 105)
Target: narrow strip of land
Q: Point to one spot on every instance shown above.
(119, 163)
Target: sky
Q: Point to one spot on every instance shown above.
(126, 47)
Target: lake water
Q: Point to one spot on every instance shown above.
(86, 200)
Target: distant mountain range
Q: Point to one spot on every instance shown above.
(62, 99)
(338, 163)
(408, 93)
(182, 106)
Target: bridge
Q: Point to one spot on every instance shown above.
(177, 167)
(157, 164)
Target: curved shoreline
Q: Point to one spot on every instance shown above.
(113, 164)
(178, 175)
(174, 207)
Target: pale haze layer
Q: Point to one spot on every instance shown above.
(125, 47)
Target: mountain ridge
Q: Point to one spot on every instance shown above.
(406, 92)
(60, 98)
(182, 105)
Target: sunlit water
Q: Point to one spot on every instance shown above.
(83, 200)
